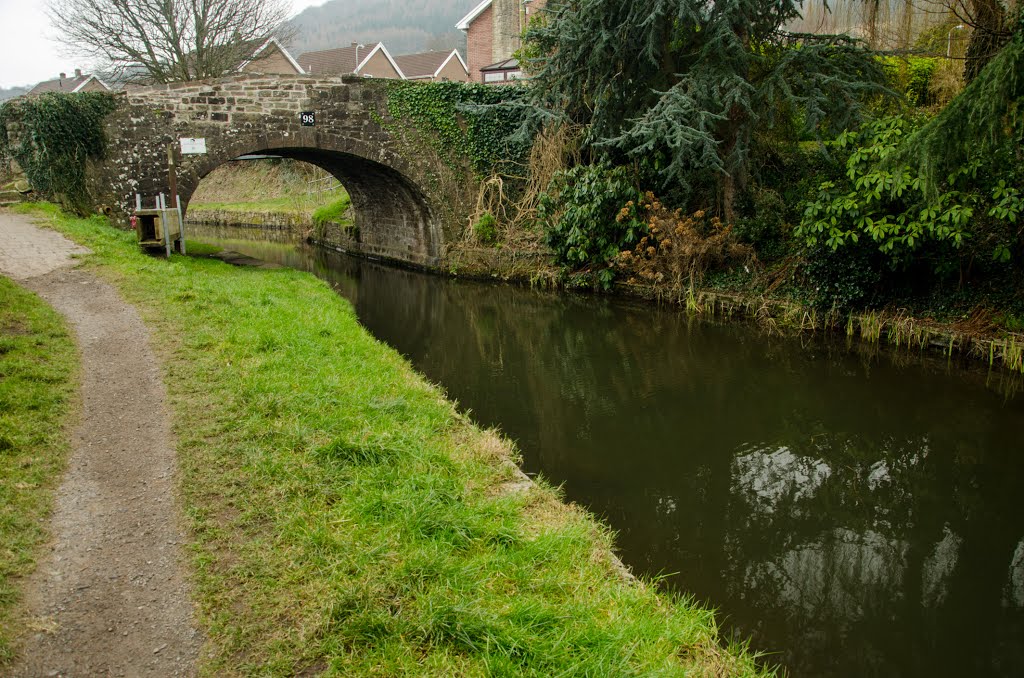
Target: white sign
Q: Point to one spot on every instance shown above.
(193, 146)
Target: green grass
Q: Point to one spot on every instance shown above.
(348, 520)
(38, 368)
(201, 249)
(334, 211)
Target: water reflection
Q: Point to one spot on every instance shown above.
(860, 517)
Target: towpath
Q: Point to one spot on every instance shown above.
(109, 595)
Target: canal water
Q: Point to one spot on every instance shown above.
(852, 514)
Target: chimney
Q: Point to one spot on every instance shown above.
(355, 44)
(505, 24)
(63, 76)
(78, 72)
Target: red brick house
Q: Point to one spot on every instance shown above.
(434, 66)
(493, 31)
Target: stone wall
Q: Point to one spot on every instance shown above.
(401, 211)
(297, 223)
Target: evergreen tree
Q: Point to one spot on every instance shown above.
(681, 86)
(987, 117)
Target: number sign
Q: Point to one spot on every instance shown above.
(307, 118)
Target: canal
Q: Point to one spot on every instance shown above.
(854, 514)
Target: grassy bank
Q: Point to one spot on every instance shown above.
(38, 364)
(348, 520)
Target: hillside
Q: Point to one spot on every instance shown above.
(404, 26)
(11, 92)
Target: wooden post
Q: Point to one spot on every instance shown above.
(172, 180)
(172, 175)
(181, 225)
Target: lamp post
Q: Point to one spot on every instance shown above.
(949, 40)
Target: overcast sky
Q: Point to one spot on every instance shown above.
(29, 47)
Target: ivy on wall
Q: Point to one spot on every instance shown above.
(469, 121)
(56, 134)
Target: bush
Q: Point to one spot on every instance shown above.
(677, 249)
(581, 213)
(486, 229)
(850, 278)
(59, 134)
(764, 227)
(911, 77)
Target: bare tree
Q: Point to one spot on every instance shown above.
(159, 41)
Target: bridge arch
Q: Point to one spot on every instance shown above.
(395, 217)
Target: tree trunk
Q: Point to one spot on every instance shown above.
(988, 37)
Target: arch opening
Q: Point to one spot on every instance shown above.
(390, 217)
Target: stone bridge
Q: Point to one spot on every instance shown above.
(399, 208)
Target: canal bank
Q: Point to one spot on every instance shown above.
(347, 518)
(972, 337)
(847, 506)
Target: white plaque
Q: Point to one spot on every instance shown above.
(191, 146)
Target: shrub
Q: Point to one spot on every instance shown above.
(974, 212)
(678, 248)
(486, 229)
(59, 134)
(582, 219)
(911, 77)
(763, 229)
(849, 278)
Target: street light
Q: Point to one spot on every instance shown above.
(949, 40)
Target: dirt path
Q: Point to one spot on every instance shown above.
(109, 596)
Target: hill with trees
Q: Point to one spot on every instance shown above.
(11, 92)
(405, 27)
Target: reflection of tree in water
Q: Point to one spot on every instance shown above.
(876, 545)
(1015, 587)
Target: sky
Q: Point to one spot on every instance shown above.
(30, 50)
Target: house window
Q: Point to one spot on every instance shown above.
(514, 75)
(494, 77)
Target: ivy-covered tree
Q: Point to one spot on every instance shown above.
(681, 86)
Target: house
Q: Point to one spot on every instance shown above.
(271, 58)
(493, 30)
(79, 83)
(434, 66)
(369, 61)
